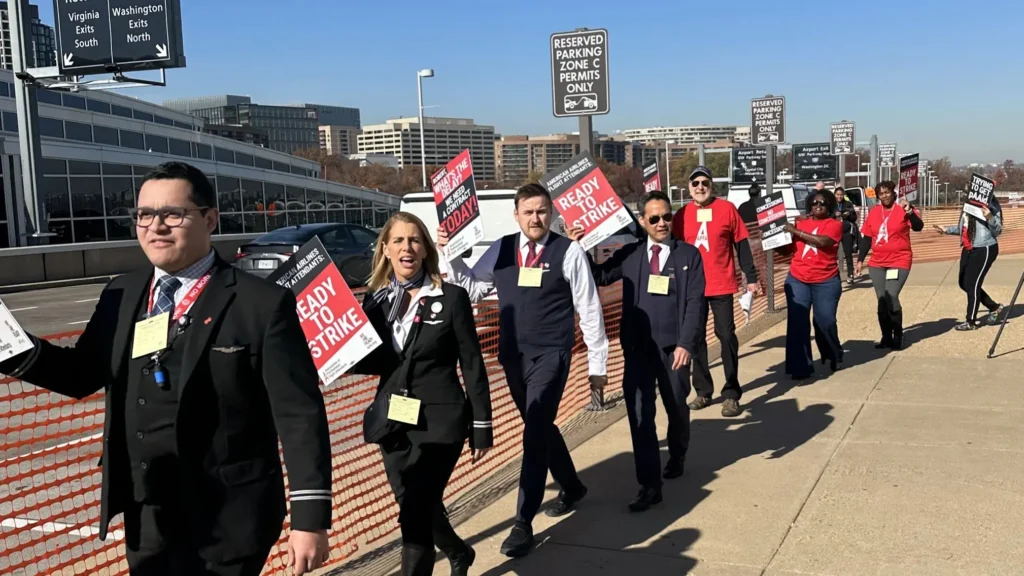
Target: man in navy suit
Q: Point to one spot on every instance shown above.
(662, 300)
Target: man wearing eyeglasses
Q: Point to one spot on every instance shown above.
(203, 369)
(662, 306)
(715, 228)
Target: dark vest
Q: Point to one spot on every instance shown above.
(534, 320)
(657, 314)
(150, 424)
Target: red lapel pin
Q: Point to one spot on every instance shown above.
(208, 320)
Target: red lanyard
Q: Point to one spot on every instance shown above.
(189, 298)
(529, 263)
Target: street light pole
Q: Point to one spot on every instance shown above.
(945, 193)
(425, 73)
(668, 172)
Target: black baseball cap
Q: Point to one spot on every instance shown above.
(701, 170)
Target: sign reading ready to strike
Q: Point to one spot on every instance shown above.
(908, 177)
(583, 197)
(458, 209)
(337, 330)
(979, 194)
(771, 218)
(652, 179)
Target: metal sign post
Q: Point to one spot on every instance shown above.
(873, 169)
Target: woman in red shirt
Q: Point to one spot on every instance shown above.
(886, 232)
(813, 283)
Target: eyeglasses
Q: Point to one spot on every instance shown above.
(172, 216)
(699, 183)
(655, 218)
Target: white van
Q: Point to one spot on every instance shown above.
(793, 196)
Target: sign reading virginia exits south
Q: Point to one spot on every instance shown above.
(337, 331)
(458, 209)
(584, 198)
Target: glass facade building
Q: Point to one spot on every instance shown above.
(44, 43)
(290, 128)
(97, 146)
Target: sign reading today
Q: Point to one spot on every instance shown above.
(652, 179)
(584, 198)
(579, 73)
(768, 120)
(458, 209)
(887, 155)
(97, 36)
(979, 194)
(338, 333)
(843, 140)
(908, 177)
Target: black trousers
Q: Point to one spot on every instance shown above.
(537, 384)
(158, 543)
(647, 372)
(418, 474)
(725, 330)
(974, 266)
(849, 243)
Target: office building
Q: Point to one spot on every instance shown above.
(339, 140)
(187, 105)
(44, 43)
(97, 145)
(517, 156)
(336, 115)
(255, 136)
(290, 128)
(686, 134)
(444, 139)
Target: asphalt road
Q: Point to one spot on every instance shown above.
(54, 310)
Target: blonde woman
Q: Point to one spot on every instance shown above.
(428, 331)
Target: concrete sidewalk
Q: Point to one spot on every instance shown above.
(908, 463)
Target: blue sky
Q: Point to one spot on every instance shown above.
(938, 77)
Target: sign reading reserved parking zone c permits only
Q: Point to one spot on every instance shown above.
(13, 340)
(338, 333)
(579, 73)
(583, 197)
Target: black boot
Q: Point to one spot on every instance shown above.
(897, 330)
(885, 323)
(417, 560)
(460, 554)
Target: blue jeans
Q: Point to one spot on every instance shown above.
(800, 299)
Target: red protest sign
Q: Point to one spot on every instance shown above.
(652, 179)
(458, 210)
(584, 198)
(908, 177)
(337, 331)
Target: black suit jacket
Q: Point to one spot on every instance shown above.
(444, 338)
(687, 280)
(246, 379)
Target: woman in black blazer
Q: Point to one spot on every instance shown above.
(428, 330)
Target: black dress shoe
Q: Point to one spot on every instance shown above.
(674, 468)
(519, 542)
(566, 502)
(645, 499)
(461, 562)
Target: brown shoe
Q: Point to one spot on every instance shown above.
(699, 403)
(731, 408)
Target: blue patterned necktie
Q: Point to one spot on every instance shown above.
(165, 288)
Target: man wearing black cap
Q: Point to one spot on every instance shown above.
(714, 227)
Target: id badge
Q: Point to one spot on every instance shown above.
(658, 285)
(150, 335)
(892, 274)
(530, 277)
(404, 409)
(703, 215)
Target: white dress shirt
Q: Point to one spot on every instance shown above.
(187, 276)
(403, 326)
(662, 256)
(479, 282)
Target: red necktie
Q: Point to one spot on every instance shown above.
(531, 254)
(655, 261)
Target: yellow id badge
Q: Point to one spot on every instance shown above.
(658, 284)
(703, 215)
(404, 409)
(530, 277)
(892, 274)
(150, 335)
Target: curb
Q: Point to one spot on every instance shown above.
(16, 288)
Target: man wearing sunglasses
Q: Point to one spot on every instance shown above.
(662, 305)
(715, 228)
(204, 368)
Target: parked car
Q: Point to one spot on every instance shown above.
(349, 245)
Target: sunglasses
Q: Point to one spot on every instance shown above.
(699, 183)
(655, 219)
(819, 203)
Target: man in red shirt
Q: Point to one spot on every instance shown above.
(715, 227)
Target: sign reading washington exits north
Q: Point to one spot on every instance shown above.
(768, 120)
(579, 73)
(98, 36)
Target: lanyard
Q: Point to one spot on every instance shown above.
(529, 263)
(189, 298)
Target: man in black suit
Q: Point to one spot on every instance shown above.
(662, 300)
(203, 367)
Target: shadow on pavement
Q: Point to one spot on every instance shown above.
(925, 330)
(589, 540)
